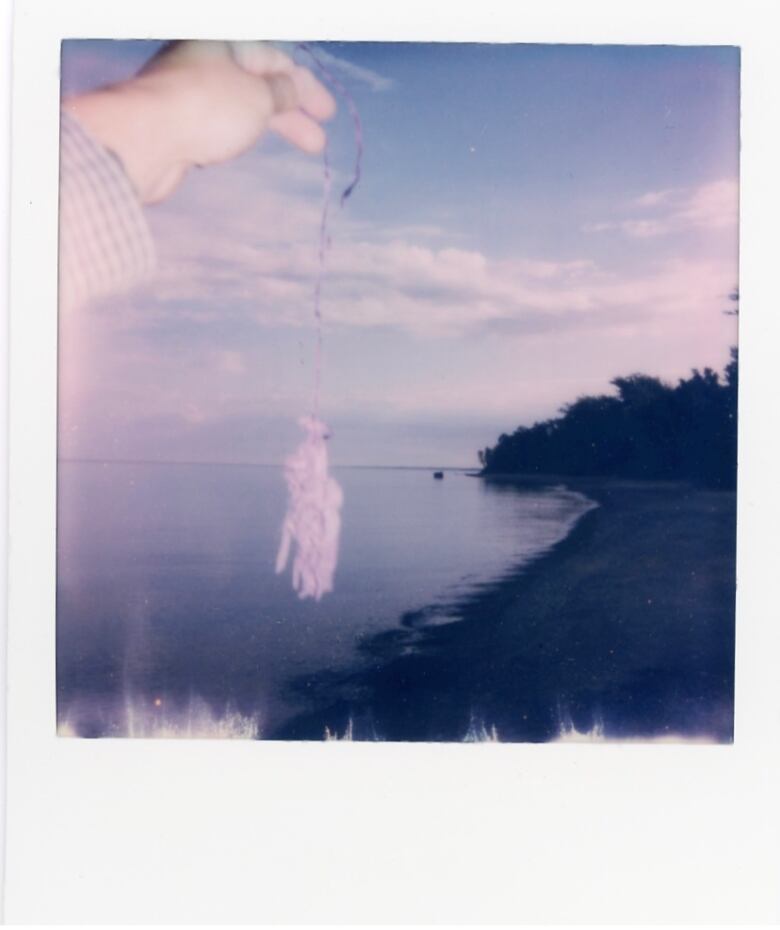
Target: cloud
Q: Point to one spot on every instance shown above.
(243, 248)
(190, 367)
(645, 229)
(230, 362)
(653, 198)
(709, 207)
(215, 358)
(352, 71)
(598, 227)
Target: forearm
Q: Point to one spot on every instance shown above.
(127, 119)
(194, 103)
(105, 243)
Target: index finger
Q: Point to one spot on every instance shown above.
(313, 96)
(261, 58)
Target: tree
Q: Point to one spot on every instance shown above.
(648, 430)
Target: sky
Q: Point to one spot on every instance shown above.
(531, 222)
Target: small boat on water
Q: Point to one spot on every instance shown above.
(438, 474)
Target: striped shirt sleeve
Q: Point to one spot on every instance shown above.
(104, 241)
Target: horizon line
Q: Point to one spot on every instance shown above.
(110, 461)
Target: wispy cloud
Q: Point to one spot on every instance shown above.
(708, 207)
(216, 344)
(352, 71)
(653, 198)
(458, 290)
(255, 259)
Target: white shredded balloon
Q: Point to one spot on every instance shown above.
(312, 524)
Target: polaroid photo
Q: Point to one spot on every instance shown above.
(522, 525)
(382, 386)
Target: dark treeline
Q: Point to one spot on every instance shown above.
(648, 430)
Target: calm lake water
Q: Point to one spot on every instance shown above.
(171, 621)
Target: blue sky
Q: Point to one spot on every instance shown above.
(532, 221)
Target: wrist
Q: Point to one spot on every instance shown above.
(127, 120)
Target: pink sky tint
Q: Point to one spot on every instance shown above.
(509, 334)
(487, 303)
(255, 254)
(706, 208)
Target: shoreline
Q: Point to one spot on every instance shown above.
(625, 626)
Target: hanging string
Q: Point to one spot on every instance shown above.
(324, 240)
(312, 524)
(338, 86)
(323, 246)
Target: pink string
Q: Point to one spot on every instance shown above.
(323, 245)
(312, 523)
(330, 78)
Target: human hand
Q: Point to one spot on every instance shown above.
(202, 103)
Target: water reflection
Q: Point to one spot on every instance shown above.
(590, 644)
(171, 622)
(166, 585)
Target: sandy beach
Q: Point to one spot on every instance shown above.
(625, 628)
